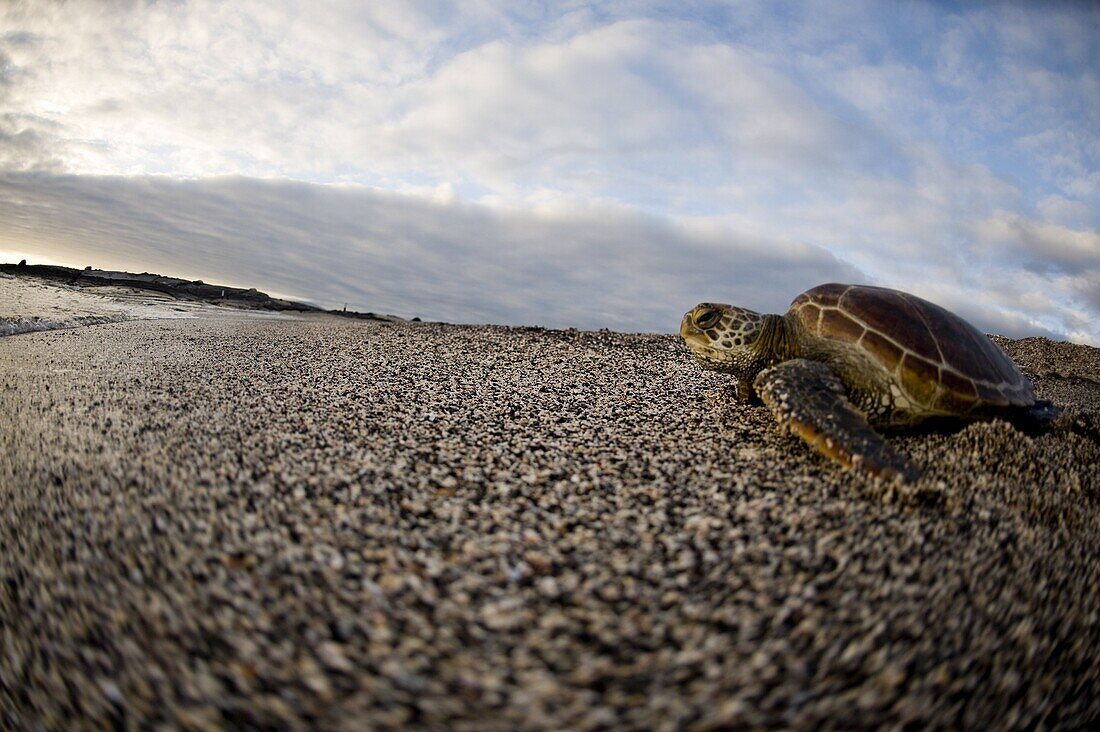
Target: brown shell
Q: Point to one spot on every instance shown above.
(942, 361)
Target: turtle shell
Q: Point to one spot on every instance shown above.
(943, 362)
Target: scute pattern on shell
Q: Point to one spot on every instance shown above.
(941, 360)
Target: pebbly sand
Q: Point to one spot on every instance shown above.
(327, 523)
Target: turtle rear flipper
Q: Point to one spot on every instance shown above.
(809, 399)
(1044, 416)
(1037, 419)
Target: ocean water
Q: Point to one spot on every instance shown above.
(28, 304)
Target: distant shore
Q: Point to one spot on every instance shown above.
(181, 289)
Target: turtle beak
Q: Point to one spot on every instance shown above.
(689, 332)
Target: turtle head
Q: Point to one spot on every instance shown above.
(721, 337)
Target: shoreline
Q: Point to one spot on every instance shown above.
(175, 288)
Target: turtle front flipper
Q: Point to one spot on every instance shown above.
(808, 399)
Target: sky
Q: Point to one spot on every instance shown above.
(565, 164)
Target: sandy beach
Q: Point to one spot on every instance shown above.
(322, 523)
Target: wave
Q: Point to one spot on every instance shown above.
(15, 326)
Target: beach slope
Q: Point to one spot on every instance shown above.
(320, 522)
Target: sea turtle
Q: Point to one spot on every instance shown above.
(848, 356)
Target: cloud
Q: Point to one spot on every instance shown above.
(564, 262)
(1041, 246)
(25, 144)
(1062, 263)
(1060, 210)
(568, 264)
(916, 150)
(628, 101)
(650, 110)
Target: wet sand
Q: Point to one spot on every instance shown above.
(337, 524)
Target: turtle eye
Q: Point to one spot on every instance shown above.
(708, 318)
